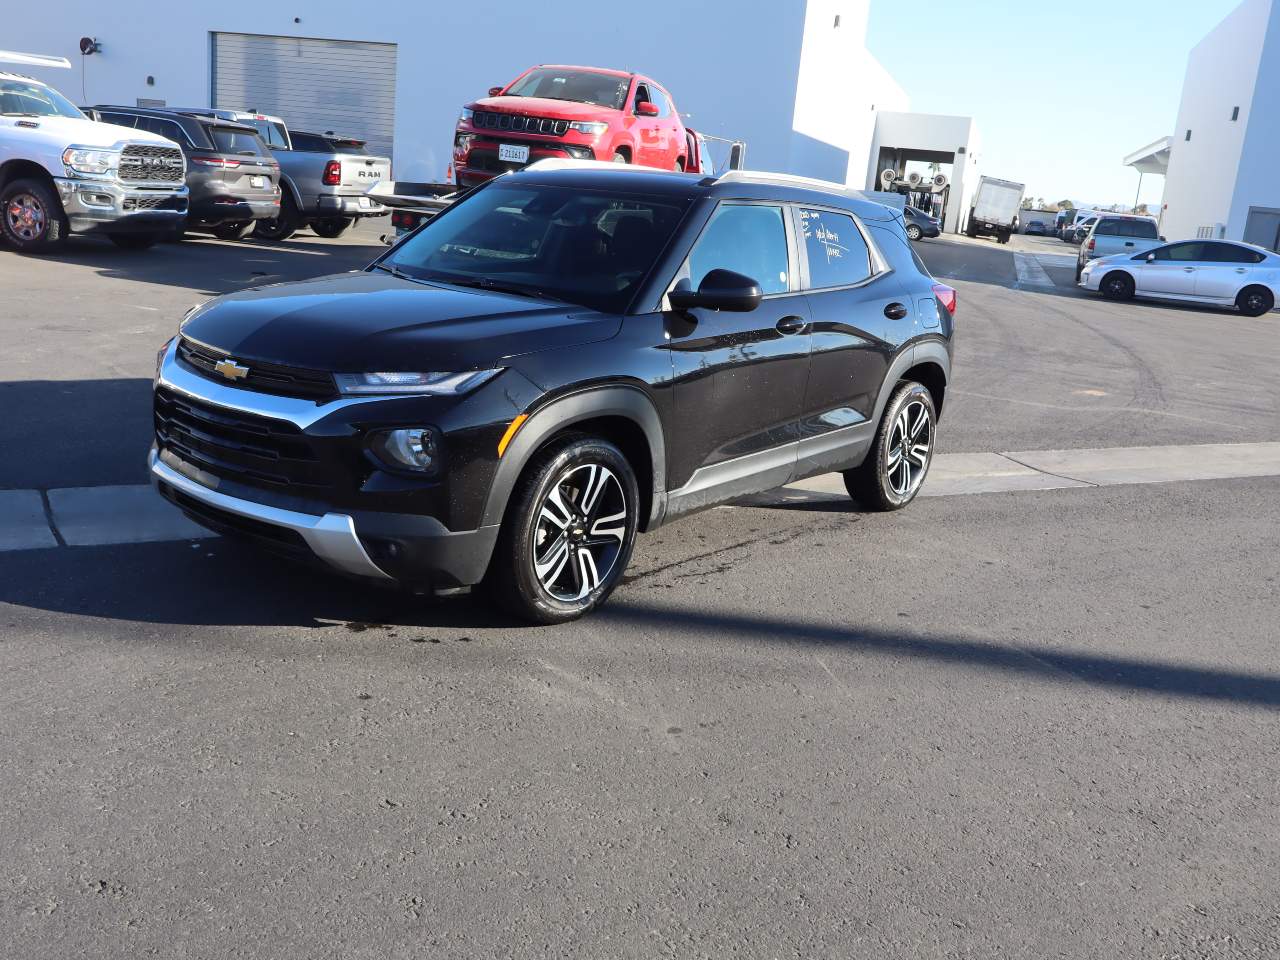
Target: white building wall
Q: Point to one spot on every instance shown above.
(1222, 74)
(734, 66)
(1257, 179)
(839, 89)
(933, 132)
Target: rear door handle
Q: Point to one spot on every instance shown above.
(1241, 270)
(1129, 244)
(790, 325)
(896, 311)
(1188, 269)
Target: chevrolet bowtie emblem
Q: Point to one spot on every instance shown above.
(231, 370)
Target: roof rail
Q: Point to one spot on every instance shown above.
(34, 59)
(764, 176)
(555, 163)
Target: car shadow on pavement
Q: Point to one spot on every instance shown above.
(208, 266)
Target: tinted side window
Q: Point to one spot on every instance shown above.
(165, 128)
(660, 101)
(1140, 229)
(747, 239)
(120, 119)
(1181, 252)
(307, 142)
(241, 142)
(835, 249)
(1230, 253)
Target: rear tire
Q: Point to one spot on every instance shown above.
(332, 227)
(233, 231)
(620, 157)
(913, 232)
(1117, 286)
(282, 226)
(135, 241)
(32, 218)
(568, 532)
(892, 474)
(1256, 301)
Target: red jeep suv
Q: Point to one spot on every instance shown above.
(585, 113)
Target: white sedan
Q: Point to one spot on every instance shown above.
(1218, 272)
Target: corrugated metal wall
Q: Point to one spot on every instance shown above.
(316, 85)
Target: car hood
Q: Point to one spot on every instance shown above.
(542, 107)
(359, 322)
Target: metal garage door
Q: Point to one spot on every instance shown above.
(341, 85)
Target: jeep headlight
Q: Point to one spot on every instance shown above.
(592, 128)
(89, 160)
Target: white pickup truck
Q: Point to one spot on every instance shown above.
(62, 173)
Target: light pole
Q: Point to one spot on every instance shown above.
(1137, 195)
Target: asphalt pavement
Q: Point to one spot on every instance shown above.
(1027, 723)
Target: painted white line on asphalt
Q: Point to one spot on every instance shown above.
(1030, 272)
(96, 516)
(22, 521)
(1208, 461)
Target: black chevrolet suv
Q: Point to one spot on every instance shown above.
(564, 357)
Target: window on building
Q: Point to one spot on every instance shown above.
(1188, 136)
(1235, 113)
(746, 238)
(833, 244)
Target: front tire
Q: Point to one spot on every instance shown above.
(32, 218)
(896, 466)
(913, 232)
(332, 227)
(620, 157)
(1256, 301)
(1117, 286)
(568, 532)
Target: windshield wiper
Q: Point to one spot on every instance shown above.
(394, 271)
(497, 286)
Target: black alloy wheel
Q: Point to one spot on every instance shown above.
(1255, 301)
(282, 226)
(568, 534)
(1117, 286)
(899, 459)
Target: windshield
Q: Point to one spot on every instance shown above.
(586, 247)
(242, 143)
(21, 98)
(580, 86)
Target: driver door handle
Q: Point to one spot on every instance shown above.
(790, 325)
(896, 311)
(1188, 269)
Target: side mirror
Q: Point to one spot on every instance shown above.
(495, 91)
(646, 109)
(1163, 240)
(719, 290)
(1151, 258)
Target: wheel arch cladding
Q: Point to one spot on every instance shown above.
(23, 170)
(933, 378)
(624, 416)
(927, 363)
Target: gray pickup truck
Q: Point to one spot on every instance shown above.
(324, 178)
(1113, 233)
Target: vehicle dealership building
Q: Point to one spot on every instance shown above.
(793, 80)
(1219, 165)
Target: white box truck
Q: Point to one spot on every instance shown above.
(995, 209)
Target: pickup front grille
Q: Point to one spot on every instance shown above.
(144, 163)
(270, 378)
(518, 123)
(237, 446)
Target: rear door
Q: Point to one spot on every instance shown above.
(1172, 271)
(859, 311)
(1225, 270)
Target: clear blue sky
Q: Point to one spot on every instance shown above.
(1040, 123)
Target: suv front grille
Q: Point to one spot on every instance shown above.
(516, 123)
(237, 446)
(144, 163)
(262, 377)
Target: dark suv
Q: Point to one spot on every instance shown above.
(561, 358)
(233, 178)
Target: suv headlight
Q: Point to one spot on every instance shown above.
(467, 114)
(89, 160)
(592, 128)
(410, 448)
(440, 384)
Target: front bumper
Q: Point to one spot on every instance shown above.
(105, 206)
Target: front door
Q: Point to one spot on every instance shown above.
(1171, 271)
(740, 377)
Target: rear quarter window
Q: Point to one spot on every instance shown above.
(835, 249)
(243, 142)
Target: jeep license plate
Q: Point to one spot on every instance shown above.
(513, 154)
(258, 183)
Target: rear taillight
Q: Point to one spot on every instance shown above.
(216, 162)
(332, 173)
(946, 296)
(407, 220)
